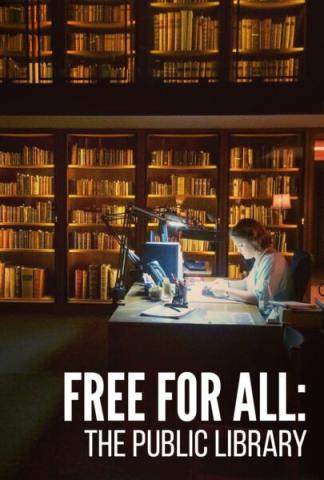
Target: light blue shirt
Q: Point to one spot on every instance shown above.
(273, 267)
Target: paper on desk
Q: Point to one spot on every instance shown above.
(195, 295)
(162, 311)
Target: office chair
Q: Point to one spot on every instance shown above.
(300, 266)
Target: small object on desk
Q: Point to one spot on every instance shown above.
(180, 296)
(163, 311)
(195, 265)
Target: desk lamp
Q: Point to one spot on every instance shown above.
(128, 217)
(281, 202)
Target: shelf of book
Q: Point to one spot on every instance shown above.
(27, 218)
(26, 42)
(182, 177)
(262, 167)
(184, 41)
(100, 180)
(100, 42)
(268, 41)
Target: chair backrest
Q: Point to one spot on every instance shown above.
(301, 266)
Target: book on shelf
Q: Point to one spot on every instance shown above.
(42, 212)
(100, 13)
(266, 33)
(274, 70)
(103, 187)
(23, 238)
(180, 158)
(94, 215)
(93, 241)
(27, 282)
(29, 156)
(263, 186)
(262, 157)
(95, 282)
(101, 156)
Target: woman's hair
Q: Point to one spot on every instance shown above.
(254, 231)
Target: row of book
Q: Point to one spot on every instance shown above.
(262, 157)
(101, 156)
(279, 241)
(182, 186)
(234, 271)
(17, 43)
(100, 42)
(25, 72)
(266, 33)
(21, 282)
(186, 71)
(12, 14)
(184, 31)
(180, 157)
(100, 13)
(261, 213)
(28, 185)
(42, 212)
(17, 13)
(104, 72)
(104, 187)
(93, 216)
(193, 245)
(28, 156)
(263, 186)
(278, 70)
(92, 241)
(22, 238)
(95, 282)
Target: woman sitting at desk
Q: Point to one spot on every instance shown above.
(254, 241)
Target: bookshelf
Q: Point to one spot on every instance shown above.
(54, 187)
(27, 218)
(101, 177)
(268, 40)
(26, 54)
(184, 41)
(182, 176)
(100, 41)
(260, 166)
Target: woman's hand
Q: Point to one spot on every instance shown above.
(217, 288)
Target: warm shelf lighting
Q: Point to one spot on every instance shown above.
(281, 201)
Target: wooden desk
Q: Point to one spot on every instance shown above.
(204, 339)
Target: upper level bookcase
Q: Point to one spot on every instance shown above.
(184, 41)
(165, 42)
(268, 40)
(26, 54)
(99, 41)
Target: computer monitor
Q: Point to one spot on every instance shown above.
(169, 256)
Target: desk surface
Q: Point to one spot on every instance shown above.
(204, 313)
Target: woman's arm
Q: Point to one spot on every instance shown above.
(242, 295)
(238, 284)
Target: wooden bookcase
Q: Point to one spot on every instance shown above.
(101, 180)
(214, 178)
(167, 42)
(27, 218)
(261, 165)
(184, 41)
(100, 41)
(183, 175)
(268, 40)
(26, 54)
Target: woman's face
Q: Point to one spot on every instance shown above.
(245, 247)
